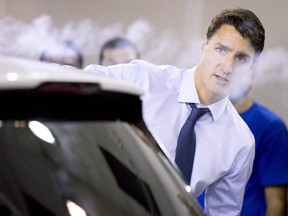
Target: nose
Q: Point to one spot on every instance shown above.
(227, 66)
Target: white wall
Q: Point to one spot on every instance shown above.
(166, 31)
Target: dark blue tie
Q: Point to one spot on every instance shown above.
(186, 144)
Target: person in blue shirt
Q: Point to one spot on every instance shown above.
(225, 147)
(266, 190)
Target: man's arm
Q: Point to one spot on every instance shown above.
(276, 200)
(131, 72)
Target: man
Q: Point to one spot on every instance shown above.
(266, 190)
(63, 53)
(117, 51)
(225, 145)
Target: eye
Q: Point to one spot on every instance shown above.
(220, 50)
(242, 58)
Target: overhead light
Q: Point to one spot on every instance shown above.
(11, 76)
(41, 131)
(74, 209)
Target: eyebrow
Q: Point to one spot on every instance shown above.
(242, 54)
(224, 47)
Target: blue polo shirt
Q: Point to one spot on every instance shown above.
(270, 166)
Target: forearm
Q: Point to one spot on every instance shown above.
(276, 200)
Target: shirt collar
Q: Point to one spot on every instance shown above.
(188, 94)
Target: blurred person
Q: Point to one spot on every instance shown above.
(225, 147)
(118, 50)
(266, 190)
(64, 53)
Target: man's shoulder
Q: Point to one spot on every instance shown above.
(262, 116)
(266, 112)
(168, 75)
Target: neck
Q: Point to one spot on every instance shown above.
(206, 97)
(243, 104)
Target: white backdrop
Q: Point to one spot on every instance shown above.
(166, 32)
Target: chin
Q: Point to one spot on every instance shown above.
(234, 97)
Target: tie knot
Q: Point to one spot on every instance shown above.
(196, 112)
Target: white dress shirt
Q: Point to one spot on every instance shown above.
(225, 146)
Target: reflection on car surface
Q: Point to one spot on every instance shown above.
(73, 143)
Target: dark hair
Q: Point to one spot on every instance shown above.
(71, 45)
(117, 42)
(67, 44)
(245, 21)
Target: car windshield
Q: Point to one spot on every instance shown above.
(93, 165)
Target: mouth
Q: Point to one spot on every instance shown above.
(222, 80)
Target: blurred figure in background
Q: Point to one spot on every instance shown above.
(65, 53)
(118, 50)
(266, 190)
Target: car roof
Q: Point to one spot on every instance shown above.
(31, 90)
(18, 72)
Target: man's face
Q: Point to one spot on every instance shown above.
(224, 58)
(118, 56)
